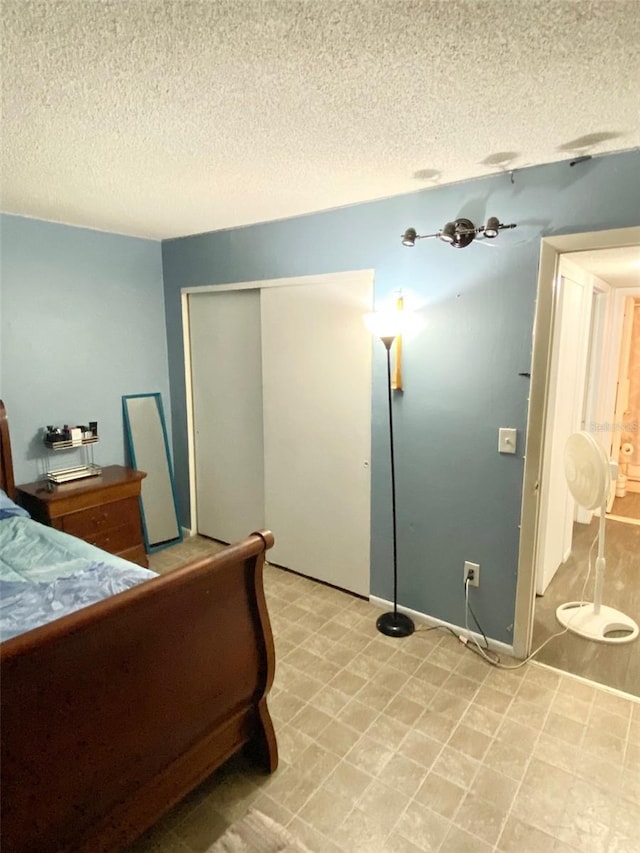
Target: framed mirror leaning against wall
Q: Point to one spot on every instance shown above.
(149, 451)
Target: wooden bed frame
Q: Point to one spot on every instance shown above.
(112, 714)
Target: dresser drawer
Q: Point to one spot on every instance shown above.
(116, 539)
(135, 555)
(100, 520)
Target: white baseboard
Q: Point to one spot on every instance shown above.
(187, 533)
(627, 519)
(417, 616)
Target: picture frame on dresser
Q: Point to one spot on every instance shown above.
(148, 446)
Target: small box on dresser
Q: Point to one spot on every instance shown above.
(102, 510)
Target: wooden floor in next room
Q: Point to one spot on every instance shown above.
(618, 665)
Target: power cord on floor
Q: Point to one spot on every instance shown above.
(483, 652)
(424, 628)
(495, 661)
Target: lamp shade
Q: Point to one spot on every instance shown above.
(386, 324)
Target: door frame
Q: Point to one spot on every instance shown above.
(550, 251)
(569, 397)
(342, 277)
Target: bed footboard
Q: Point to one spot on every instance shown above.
(112, 714)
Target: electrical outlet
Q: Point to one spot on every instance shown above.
(471, 571)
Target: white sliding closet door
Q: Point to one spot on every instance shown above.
(316, 365)
(226, 378)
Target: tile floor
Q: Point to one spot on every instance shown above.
(419, 745)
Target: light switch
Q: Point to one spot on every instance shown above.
(507, 440)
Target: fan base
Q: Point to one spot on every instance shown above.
(582, 620)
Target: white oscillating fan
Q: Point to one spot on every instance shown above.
(588, 474)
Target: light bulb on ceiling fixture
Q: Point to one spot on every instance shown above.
(492, 227)
(409, 237)
(448, 233)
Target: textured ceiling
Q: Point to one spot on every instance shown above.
(169, 118)
(618, 267)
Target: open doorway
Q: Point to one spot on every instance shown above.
(624, 505)
(594, 385)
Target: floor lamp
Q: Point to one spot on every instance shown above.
(388, 327)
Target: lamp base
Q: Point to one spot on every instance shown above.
(395, 625)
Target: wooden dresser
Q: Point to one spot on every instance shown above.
(102, 510)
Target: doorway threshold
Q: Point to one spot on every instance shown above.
(614, 691)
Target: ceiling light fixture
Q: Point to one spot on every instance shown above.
(459, 233)
(409, 237)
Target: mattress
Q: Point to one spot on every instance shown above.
(46, 574)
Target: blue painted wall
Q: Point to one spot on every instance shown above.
(458, 499)
(82, 324)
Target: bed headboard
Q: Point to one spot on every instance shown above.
(7, 483)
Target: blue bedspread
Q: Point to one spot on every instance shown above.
(46, 574)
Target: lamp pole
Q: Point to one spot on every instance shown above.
(393, 624)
